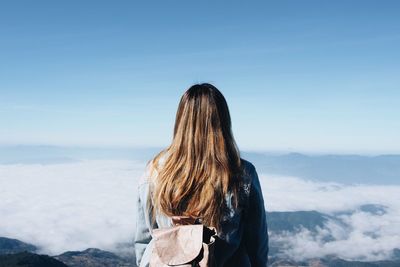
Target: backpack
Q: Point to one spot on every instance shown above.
(186, 243)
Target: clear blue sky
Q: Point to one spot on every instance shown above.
(298, 75)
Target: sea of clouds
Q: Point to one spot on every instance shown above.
(357, 235)
(91, 203)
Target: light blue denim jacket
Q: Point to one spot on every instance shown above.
(244, 230)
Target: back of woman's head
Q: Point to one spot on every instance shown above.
(202, 164)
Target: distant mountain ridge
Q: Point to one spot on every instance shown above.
(346, 169)
(379, 169)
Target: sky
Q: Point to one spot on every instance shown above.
(306, 76)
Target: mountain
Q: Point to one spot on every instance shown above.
(347, 169)
(10, 245)
(14, 252)
(337, 262)
(93, 257)
(330, 262)
(291, 221)
(47, 154)
(28, 259)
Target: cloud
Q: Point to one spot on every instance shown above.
(358, 235)
(292, 193)
(69, 206)
(91, 203)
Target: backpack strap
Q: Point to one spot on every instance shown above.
(185, 220)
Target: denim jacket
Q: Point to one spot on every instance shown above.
(244, 230)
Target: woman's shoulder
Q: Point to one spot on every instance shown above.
(247, 165)
(150, 172)
(249, 176)
(248, 169)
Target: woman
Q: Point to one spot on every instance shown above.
(201, 174)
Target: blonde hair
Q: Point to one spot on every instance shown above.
(202, 165)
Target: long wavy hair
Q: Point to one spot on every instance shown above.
(201, 168)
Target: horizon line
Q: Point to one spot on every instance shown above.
(245, 149)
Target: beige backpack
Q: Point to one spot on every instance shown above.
(187, 243)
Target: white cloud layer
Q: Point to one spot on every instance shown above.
(73, 206)
(69, 206)
(366, 236)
